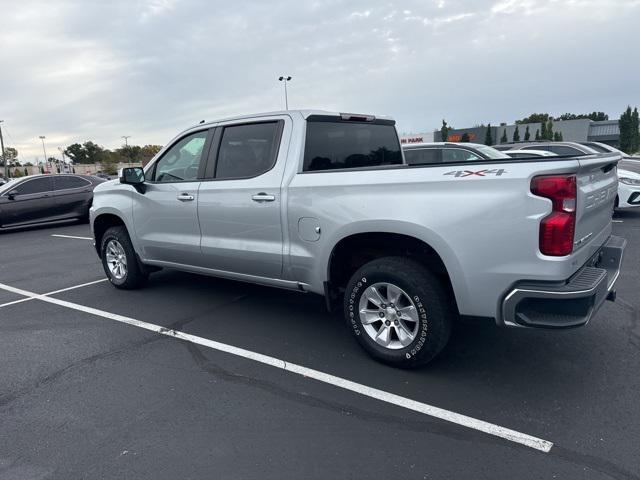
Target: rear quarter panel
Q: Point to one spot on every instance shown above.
(485, 228)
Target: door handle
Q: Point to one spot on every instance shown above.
(263, 197)
(185, 197)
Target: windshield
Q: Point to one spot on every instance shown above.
(492, 152)
(9, 185)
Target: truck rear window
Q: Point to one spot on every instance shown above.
(335, 145)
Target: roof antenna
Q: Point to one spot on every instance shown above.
(201, 122)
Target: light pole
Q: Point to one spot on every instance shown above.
(46, 161)
(4, 159)
(285, 79)
(126, 146)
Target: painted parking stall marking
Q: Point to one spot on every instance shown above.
(22, 300)
(387, 397)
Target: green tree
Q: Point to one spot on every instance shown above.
(488, 138)
(10, 156)
(109, 162)
(625, 124)
(465, 138)
(503, 138)
(148, 152)
(543, 131)
(86, 153)
(444, 131)
(76, 153)
(595, 116)
(26, 172)
(538, 135)
(534, 118)
(549, 130)
(516, 133)
(557, 137)
(527, 134)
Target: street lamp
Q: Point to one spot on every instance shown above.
(285, 79)
(126, 146)
(46, 161)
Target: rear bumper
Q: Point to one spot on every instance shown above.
(566, 304)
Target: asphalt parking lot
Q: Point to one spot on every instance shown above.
(86, 393)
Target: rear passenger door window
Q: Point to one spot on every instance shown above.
(564, 150)
(247, 151)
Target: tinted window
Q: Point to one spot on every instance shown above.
(64, 182)
(423, 156)
(37, 185)
(181, 162)
(247, 150)
(333, 145)
(536, 147)
(596, 147)
(563, 150)
(458, 155)
(519, 155)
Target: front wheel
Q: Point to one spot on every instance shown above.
(119, 260)
(398, 311)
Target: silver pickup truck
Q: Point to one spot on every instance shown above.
(324, 202)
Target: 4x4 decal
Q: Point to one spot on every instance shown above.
(479, 173)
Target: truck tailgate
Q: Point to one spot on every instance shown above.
(597, 187)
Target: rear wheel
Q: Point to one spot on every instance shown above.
(119, 260)
(398, 311)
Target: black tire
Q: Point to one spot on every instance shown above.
(135, 276)
(434, 307)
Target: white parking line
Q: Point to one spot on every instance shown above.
(71, 236)
(446, 415)
(28, 299)
(617, 221)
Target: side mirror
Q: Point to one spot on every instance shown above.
(132, 176)
(12, 194)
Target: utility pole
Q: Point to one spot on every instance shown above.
(4, 159)
(126, 146)
(285, 79)
(46, 161)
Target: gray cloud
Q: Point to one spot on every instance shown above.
(93, 70)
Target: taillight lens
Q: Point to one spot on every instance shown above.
(557, 229)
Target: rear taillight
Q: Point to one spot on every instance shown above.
(557, 229)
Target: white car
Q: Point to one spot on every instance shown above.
(628, 184)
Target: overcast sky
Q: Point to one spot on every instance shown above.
(97, 70)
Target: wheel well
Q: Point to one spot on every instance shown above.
(101, 224)
(354, 251)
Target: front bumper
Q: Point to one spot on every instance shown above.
(570, 303)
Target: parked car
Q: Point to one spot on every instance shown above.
(529, 153)
(559, 148)
(46, 198)
(325, 203)
(448, 152)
